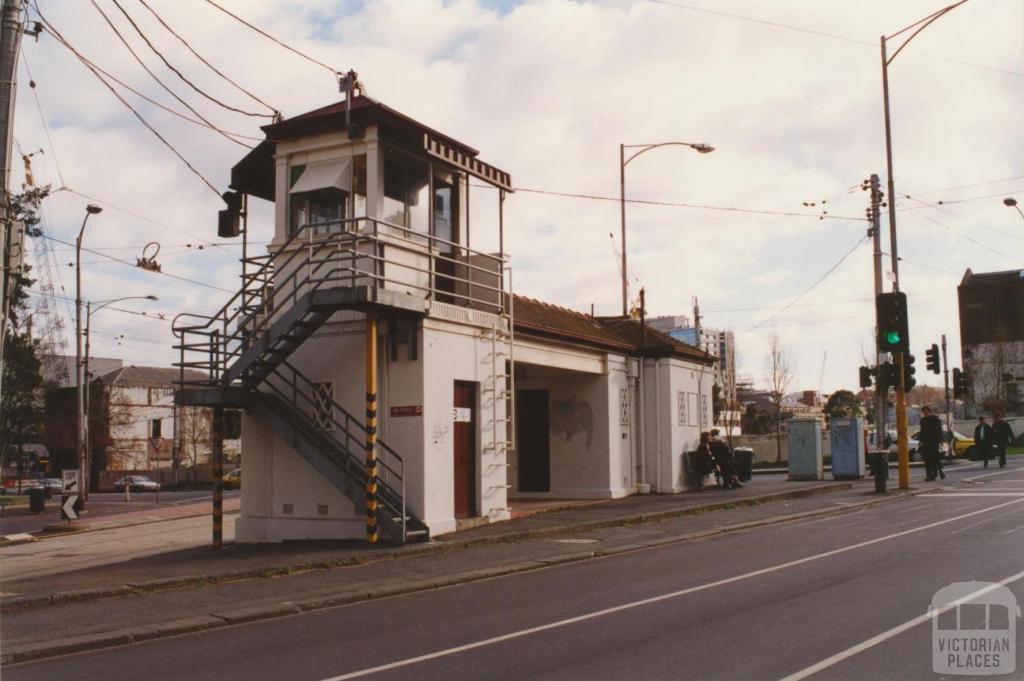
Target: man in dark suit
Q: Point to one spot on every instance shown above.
(983, 439)
(929, 440)
(1002, 437)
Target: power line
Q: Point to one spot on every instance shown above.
(150, 316)
(131, 264)
(180, 74)
(121, 99)
(160, 82)
(200, 58)
(808, 290)
(823, 34)
(39, 107)
(263, 33)
(974, 241)
(969, 186)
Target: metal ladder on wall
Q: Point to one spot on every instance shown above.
(501, 385)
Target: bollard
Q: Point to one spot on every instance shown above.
(879, 464)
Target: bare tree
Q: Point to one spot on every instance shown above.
(779, 375)
(121, 446)
(194, 434)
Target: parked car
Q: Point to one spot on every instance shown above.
(136, 483)
(963, 445)
(233, 480)
(913, 445)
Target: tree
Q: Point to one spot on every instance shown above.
(21, 397)
(779, 374)
(756, 421)
(194, 426)
(842, 403)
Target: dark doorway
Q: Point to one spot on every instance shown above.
(532, 441)
(464, 435)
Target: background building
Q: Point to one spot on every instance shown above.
(992, 340)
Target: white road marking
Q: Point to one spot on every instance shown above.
(899, 629)
(654, 599)
(941, 495)
(989, 475)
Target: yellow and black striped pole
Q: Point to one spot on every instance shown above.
(217, 447)
(371, 427)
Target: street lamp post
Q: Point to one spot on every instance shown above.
(91, 209)
(89, 311)
(623, 162)
(902, 442)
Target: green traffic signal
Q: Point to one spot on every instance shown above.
(893, 337)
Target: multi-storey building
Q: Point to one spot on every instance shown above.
(992, 339)
(388, 375)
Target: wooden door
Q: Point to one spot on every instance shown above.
(533, 441)
(464, 436)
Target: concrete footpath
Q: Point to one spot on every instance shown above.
(193, 589)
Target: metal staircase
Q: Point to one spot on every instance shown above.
(358, 264)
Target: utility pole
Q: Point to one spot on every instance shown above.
(696, 322)
(949, 413)
(876, 235)
(622, 214)
(10, 43)
(902, 443)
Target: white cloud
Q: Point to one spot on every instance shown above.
(547, 91)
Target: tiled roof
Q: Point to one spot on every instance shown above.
(148, 377)
(535, 317)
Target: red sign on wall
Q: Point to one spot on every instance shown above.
(412, 410)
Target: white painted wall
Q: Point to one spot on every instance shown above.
(672, 428)
(456, 352)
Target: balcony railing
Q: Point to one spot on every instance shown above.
(356, 252)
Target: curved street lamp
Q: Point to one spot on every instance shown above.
(901, 394)
(84, 394)
(91, 209)
(1011, 202)
(623, 162)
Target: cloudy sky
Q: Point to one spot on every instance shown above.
(788, 92)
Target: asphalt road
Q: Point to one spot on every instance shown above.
(840, 592)
(17, 519)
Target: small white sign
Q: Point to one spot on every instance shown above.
(70, 479)
(462, 415)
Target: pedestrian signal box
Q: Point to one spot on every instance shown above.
(932, 359)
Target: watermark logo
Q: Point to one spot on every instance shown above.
(974, 629)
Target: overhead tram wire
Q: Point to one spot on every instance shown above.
(263, 33)
(87, 197)
(151, 316)
(93, 65)
(39, 107)
(142, 120)
(182, 76)
(940, 207)
(157, 79)
(970, 186)
(616, 199)
(200, 58)
(133, 265)
(834, 36)
(820, 279)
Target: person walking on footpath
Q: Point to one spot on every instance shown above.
(929, 439)
(1002, 436)
(983, 439)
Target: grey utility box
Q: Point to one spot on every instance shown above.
(847, 448)
(805, 449)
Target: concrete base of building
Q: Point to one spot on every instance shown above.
(250, 530)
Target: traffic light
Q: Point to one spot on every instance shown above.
(908, 372)
(888, 376)
(960, 381)
(865, 377)
(891, 310)
(932, 358)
